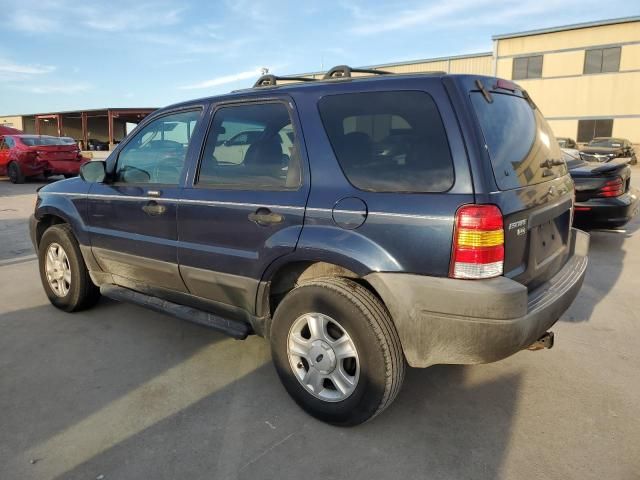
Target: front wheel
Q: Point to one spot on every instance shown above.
(336, 351)
(63, 273)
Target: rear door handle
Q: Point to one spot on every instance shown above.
(265, 217)
(154, 209)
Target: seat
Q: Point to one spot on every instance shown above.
(355, 149)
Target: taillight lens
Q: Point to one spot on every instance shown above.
(613, 188)
(478, 243)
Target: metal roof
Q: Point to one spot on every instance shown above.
(410, 62)
(87, 110)
(575, 26)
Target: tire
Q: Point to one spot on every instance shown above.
(379, 361)
(79, 292)
(634, 160)
(15, 173)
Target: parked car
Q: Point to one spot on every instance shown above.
(604, 195)
(566, 142)
(23, 156)
(352, 257)
(97, 145)
(604, 149)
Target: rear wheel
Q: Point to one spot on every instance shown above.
(634, 160)
(15, 173)
(336, 351)
(63, 273)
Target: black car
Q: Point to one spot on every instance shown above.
(566, 142)
(97, 145)
(421, 219)
(604, 149)
(604, 196)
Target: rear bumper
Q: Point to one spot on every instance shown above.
(442, 320)
(612, 212)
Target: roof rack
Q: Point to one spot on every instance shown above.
(345, 71)
(271, 80)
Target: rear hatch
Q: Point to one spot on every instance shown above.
(532, 187)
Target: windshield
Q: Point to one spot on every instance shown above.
(521, 145)
(605, 142)
(38, 140)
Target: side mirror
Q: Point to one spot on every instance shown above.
(94, 171)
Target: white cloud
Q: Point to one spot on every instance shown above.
(32, 22)
(136, 17)
(214, 82)
(449, 13)
(58, 89)
(14, 68)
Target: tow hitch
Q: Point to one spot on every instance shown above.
(545, 341)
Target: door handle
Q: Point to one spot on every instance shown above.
(265, 217)
(154, 209)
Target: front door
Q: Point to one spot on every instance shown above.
(239, 213)
(132, 219)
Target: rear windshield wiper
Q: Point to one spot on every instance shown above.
(548, 163)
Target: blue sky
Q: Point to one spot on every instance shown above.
(62, 54)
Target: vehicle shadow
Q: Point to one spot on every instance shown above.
(606, 259)
(58, 370)
(16, 242)
(127, 393)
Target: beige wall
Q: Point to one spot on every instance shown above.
(13, 122)
(564, 94)
(584, 37)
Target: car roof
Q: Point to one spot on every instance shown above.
(314, 86)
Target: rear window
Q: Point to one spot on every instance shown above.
(521, 145)
(389, 141)
(32, 141)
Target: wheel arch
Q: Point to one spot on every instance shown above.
(282, 277)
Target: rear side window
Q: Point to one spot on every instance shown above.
(521, 145)
(389, 141)
(251, 147)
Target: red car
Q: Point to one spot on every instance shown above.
(23, 156)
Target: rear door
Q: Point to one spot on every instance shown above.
(132, 220)
(241, 213)
(532, 186)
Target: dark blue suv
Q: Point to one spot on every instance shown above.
(361, 222)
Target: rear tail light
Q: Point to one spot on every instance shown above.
(478, 243)
(613, 188)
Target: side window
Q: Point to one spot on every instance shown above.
(389, 141)
(157, 153)
(527, 67)
(602, 60)
(251, 147)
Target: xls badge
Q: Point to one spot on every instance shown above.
(520, 226)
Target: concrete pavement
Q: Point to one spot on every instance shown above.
(126, 393)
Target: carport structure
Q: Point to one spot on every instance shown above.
(105, 125)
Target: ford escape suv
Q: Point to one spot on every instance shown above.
(367, 222)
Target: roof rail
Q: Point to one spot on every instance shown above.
(271, 80)
(345, 71)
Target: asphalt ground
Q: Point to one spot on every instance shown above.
(119, 392)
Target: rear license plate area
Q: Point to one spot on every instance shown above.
(550, 237)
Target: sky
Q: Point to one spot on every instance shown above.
(58, 55)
